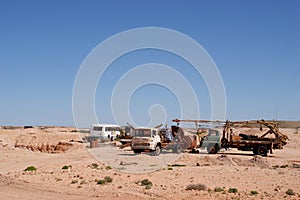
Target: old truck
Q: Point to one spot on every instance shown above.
(259, 145)
(156, 139)
(146, 139)
(206, 133)
(212, 141)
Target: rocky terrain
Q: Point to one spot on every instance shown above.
(55, 163)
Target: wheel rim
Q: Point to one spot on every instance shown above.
(261, 151)
(213, 150)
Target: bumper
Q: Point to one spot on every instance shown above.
(141, 147)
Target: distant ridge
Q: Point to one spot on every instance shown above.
(281, 123)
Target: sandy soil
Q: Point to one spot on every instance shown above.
(49, 150)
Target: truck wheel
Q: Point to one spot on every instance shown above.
(262, 151)
(157, 150)
(224, 143)
(137, 151)
(212, 149)
(176, 148)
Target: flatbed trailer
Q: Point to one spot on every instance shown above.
(259, 145)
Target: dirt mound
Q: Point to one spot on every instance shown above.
(50, 148)
(256, 161)
(260, 162)
(48, 142)
(209, 160)
(226, 160)
(196, 160)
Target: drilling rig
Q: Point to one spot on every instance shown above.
(259, 145)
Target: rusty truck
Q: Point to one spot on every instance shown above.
(259, 145)
(155, 139)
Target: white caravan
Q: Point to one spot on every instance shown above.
(105, 130)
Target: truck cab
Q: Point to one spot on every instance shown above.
(146, 139)
(212, 141)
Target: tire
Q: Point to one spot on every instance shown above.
(194, 151)
(212, 149)
(224, 143)
(262, 151)
(157, 151)
(176, 148)
(137, 151)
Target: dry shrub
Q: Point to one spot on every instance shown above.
(30, 168)
(198, 186)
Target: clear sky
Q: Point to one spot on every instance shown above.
(255, 45)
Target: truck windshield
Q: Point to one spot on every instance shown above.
(213, 132)
(142, 133)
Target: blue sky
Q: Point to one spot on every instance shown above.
(255, 45)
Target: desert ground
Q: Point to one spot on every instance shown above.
(66, 168)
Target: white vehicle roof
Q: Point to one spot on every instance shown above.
(146, 128)
(111, 125)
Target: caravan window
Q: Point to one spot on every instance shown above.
(112, 129)
(97, 128)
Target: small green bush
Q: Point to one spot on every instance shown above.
(101, 182)
(107, 179)
(198, 186)
(108, 167)
(30, 168)
(65, 167)
(218, 189)
(74, 181)
(232, 190)
(95, 165)
(148, 187)
(253, 192)
(290, 192)
(284, 166)
(177, 165)
(145, 182)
